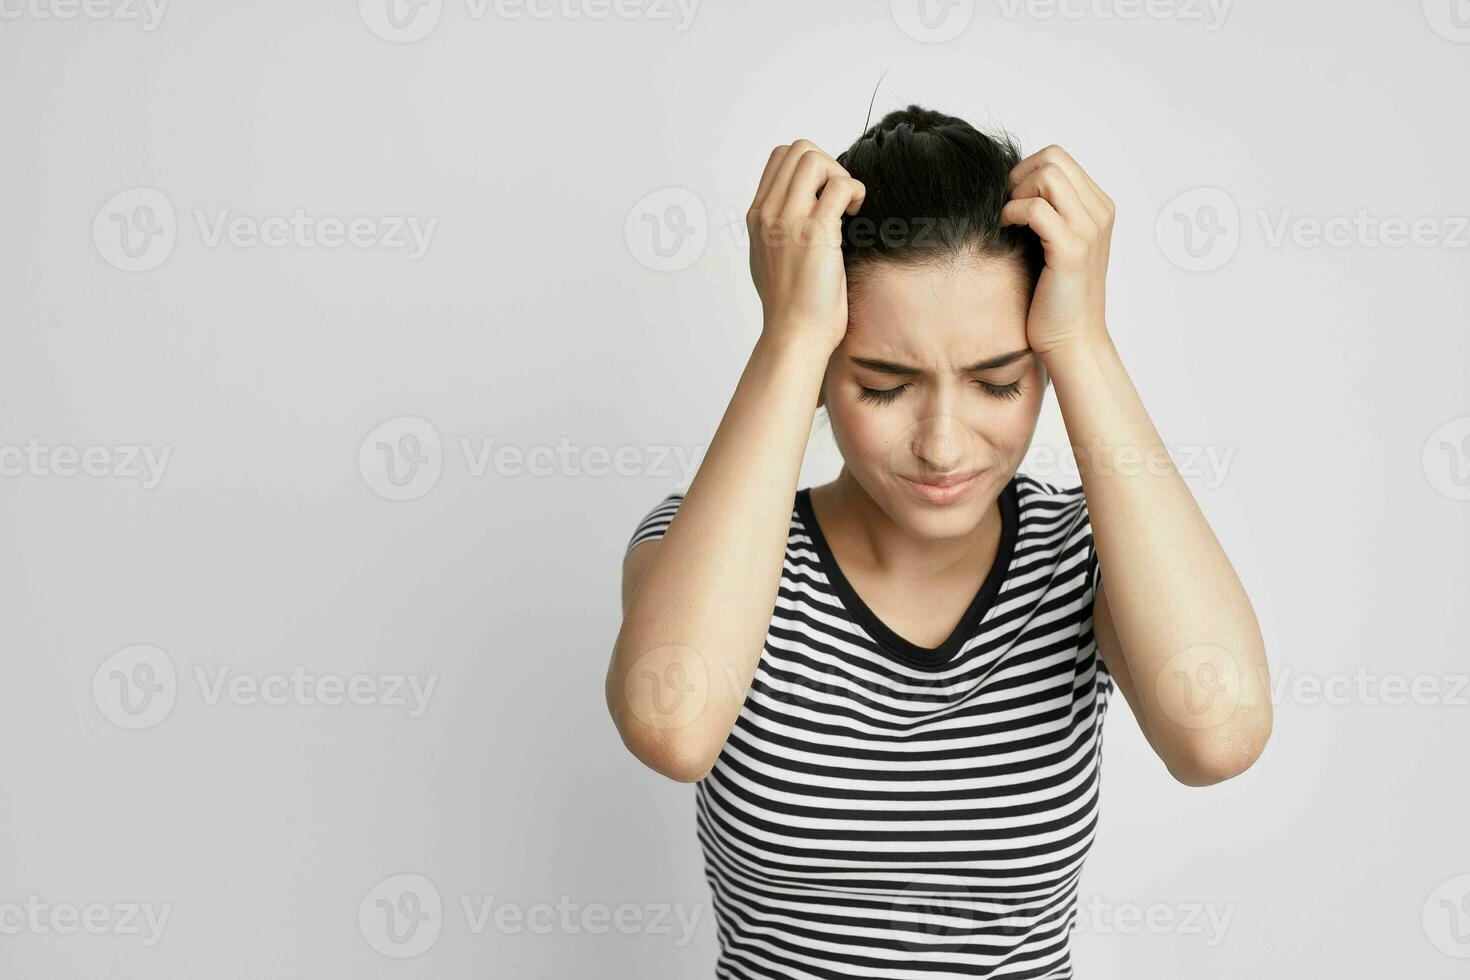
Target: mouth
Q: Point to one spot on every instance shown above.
(943, 489)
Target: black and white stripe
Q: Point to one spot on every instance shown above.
(880, 810)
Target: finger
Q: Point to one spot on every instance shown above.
(813, 172)
(841, 194)
(1038, 215)
(1098, 204)
(781, 186)
(768, 177)
(1081, 177)
(1051, 182)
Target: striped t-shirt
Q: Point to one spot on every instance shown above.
(885, 810)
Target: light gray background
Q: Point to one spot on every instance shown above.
(1333, 378)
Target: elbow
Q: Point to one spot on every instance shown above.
(681, 767)
(1208, 770)
(1223, 757)
(672, 757)
(670, 752)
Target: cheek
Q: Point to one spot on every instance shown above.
(865, 431)
(1012, 428)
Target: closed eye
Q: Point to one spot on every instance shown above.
(1012, 390)
(885, 396)
(880, 396)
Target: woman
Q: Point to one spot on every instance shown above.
(890, 688)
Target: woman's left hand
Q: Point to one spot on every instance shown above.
(1055, 198)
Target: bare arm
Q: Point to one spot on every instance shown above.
(698, 603)
(695, 619)
(1172, 621)
(1171, 615)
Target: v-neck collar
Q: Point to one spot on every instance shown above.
(890, 642)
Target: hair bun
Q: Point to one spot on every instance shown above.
(933, 198)
(917, 118)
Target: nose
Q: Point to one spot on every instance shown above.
(940, 442)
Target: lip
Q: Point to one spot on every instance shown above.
(943, 491)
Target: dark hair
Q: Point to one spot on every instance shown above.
(935, 189)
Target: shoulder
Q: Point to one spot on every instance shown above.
(655, 520)
(1043, 501)
(1054, 519)
(650, 528)
(1057, 519)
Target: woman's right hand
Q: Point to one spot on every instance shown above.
(697, 603)
(795, 226)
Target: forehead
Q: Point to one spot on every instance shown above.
(962, 309)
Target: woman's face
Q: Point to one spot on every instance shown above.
(934, 381)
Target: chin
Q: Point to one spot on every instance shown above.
(949, 520)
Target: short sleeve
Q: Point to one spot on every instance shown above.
(656, 522)
(1094, 577)
(1084, 527)
(1094, 567)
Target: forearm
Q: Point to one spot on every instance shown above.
(697, 622)
(1183, 621)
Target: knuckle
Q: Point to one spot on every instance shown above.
(811, 160)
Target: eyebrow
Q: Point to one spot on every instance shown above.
(889, 367)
